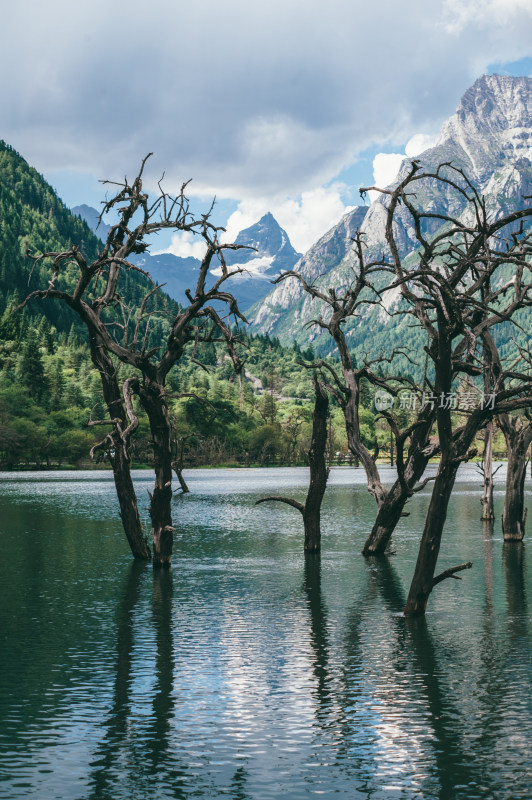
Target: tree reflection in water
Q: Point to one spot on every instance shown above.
(144, 754)
(400, 712)
(318, 627)
(104, 768)
(514, 562)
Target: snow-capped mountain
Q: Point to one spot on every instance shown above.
(268, 252)
(489, 136)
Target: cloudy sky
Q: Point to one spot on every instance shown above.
(285, 105)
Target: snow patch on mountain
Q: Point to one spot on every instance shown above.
(255, 266)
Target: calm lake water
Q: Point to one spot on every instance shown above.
(249, 672)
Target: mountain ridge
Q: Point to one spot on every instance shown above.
(501, 166)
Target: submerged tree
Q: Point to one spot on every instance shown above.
(345, 385)
(319, 472)
(517, 430)
(118, 333)
(449, 289)
(488, 474)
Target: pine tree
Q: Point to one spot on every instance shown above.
(30, 369)
(57, 385)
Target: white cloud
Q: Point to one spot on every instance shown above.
(265, 99)
(269, 101)
(458, 14)
(385, 168)
(419, 143)
(311, 215)
(387, 165)
(304, 218)
(184, 245)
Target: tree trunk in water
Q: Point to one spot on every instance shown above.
(182, 482)
(423, 580)
(391, 509)
(153, 401)
(487, 496)
(120, 460)
(514, 514)
(312, 532)
(318, 470)
(129, 512)
(318, 474)
(388, 516)
(518, 436)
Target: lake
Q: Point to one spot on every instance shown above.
(249, 671)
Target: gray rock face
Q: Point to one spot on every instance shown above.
(492, 124)
(270, 252)
(269, 241)
(489, 136)
(284, 305)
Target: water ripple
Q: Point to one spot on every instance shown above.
(250, 672)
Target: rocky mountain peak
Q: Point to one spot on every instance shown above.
(269, 252)
(498, 101)
(493, 122)
(91, 217)
(489, 137)
(269, 240)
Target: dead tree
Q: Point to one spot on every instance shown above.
(488, 474)
(116, 445)
(449, 291)
(178, 458)
(344, 385)
(517, 430)
(486, 467)
(120, 334)
(518, 435)
(319, 472)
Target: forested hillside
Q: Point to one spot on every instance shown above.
(49, 389)
(33, 218)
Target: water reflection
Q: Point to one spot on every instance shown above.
(487, 541)
(238, 784)
(159, 734)
(390, 587)
(410, 742)
(105, 766)
(454, 768)
(318, 626)
(251, 672)
(514, 561)
(130, 752)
